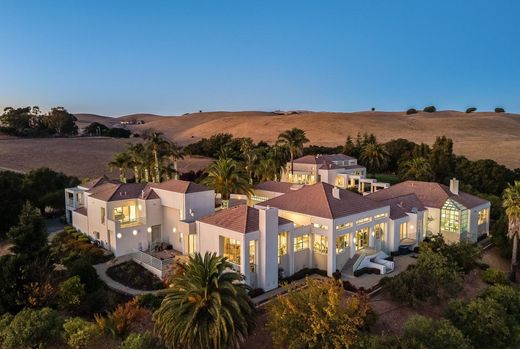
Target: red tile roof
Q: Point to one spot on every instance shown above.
(430, 194)
(81, 210)
(97, 182)
(278, 187)
(401, 205)
(242, 219)
(321, 159)
(179, 186)
(318, 200)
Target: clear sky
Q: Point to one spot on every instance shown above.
(169, 57)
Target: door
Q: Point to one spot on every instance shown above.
(156, 234)
(361, 239)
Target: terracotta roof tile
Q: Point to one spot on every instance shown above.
(318, 200)
(401, 205)
(179, 186)
(278, 187)
(430, 194)
(242, 219)
(81, 210)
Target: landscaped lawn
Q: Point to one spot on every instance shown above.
(387, 178)
(135, 276)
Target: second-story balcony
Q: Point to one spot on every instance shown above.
(127, 222)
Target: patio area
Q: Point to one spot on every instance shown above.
(369, 280)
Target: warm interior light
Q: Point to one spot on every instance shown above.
(119, 235)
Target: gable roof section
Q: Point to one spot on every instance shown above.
(318, 200)
(120, 191)
(401, 205)
(242, 219)
(278, 187)
(430, 194)
(179, 186)
(96, 182)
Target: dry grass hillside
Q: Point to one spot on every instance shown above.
(477, 135)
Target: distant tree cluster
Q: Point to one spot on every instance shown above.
(31, 122)
(42, 187)
(98, 129)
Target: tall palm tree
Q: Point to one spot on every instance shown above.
(122, 161)
(374, 156)
(157, 144)
(248, 149)
(205, 307)
(294, 139)
(227, 177)
(511, 203)
(175, 153)
(266, 170)
(418, 168)
(136, 152)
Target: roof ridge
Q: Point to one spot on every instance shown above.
(115, 191)
(328, 199)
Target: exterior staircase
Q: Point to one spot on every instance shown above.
(348, 268)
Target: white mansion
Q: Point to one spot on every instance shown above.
(309, 220)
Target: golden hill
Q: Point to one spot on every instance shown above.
(477, 135)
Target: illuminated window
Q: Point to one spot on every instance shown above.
(454, 217)
(341, 243)
(379, 231)
(379, 216)
(364, 220)
(344, 226)
(320, 226)
(321, 244)
(282, 245)
(483, 216)
(232, 250)
(301, 242)
(403, 230)
(192, 244)
(361, 239)
(252, 262)
(257, 198)
(125, 214)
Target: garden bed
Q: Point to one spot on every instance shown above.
(135, 276)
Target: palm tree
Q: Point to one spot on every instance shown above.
(266, 170)
(157, 144)
(136, 152)
(175, 152)
(294, 139)
(227, 177)
(511, 203)
(121, 161)
(205, 307)
(418, 168)
(374, 156)
(248, 149)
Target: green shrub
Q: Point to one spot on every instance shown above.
(434, 334)
(143, 340)
(31, 328)
(411, 111)
(430, 109)
(86, 272)
(494, 276)
(71, 292)
(471, 110)
(483, 322)
(500, 110)
(150, 301)
(432, 277)
(508, 298)
(79, 333)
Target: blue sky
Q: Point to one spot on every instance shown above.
(170, 57)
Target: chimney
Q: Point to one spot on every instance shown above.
(268, 248)
(335, 193)
(454, 186)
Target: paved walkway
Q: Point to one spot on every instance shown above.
(101, 270)
(264, 298)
